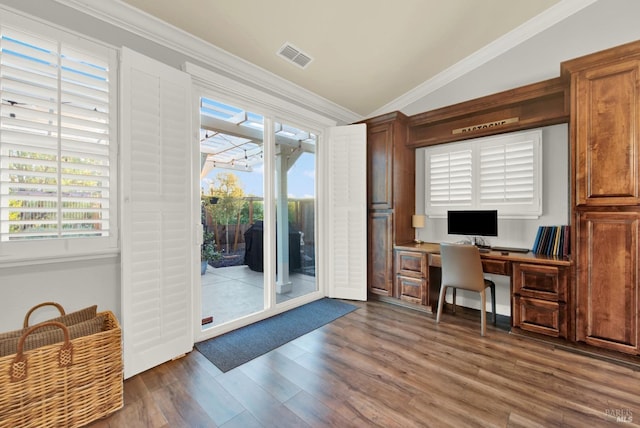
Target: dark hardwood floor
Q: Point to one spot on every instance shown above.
(389, 366)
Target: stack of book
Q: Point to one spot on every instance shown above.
(553, 241)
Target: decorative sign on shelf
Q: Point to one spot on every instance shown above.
(485, 125)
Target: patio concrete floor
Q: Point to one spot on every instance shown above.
(235, 291)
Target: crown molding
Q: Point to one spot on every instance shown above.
(535, 25)
(122, 15)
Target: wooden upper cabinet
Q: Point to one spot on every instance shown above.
(605, 124)
(380, 140)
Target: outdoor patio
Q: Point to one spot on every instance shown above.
(235, 291)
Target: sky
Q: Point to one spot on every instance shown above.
(301, 178)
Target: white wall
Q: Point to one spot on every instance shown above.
(604, 24)
(515, 232)
(74, 285)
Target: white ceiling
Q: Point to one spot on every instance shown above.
(366, 54)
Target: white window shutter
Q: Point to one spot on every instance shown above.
(348, 212)
(58, 157)
(157, 230)
(506, 173)
(509, 174)
(449, 180)
(501, 173)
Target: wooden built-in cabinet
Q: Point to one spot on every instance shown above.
(390, 197)
(412, 277)
(605, 161)
(540, 295)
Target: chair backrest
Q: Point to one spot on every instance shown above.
(461, 267)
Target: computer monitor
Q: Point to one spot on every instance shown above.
(472, 222)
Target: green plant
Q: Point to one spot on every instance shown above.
(208, 250)
(228, 189)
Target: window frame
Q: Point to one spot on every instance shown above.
(507, 208)
(27, 252)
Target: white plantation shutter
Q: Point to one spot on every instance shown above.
(500, 172)
(348, 212)
(57, 157)
(158, 230)
(509, 173)
(450, 175)
(506, 173)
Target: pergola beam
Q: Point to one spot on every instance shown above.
(256, 135)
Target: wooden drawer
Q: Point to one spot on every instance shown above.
(411, 263)
(498, 267)
(412, 289)
(540, 282)
(540, 316)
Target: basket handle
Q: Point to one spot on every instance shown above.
(26, 317)
(19, 364)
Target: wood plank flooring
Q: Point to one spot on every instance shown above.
(388, 366)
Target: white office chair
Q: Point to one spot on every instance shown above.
(462, 268)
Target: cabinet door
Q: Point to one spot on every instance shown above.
(380, 166)
(607, 280)
(606, 127)
(381, 253)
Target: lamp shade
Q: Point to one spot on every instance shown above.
(417, 221)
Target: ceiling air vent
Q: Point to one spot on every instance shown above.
(294, 55)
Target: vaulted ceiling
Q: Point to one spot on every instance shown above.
(365, 54)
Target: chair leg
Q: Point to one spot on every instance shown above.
(443, 292)
(483, 312)
(453, 309)
(493, 302)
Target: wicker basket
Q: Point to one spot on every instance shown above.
(63, 385)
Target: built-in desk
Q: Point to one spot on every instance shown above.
(538, 284)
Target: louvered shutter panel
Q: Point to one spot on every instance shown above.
(157, 254)
(450, 180)
(348, 212)
(57, 170)
(509, 174)
(501, 173)
(506, 173)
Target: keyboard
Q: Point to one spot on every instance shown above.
(511, 249)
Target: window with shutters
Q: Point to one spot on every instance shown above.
(57, 141)
(500, 172)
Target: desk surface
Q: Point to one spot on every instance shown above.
(434, 248)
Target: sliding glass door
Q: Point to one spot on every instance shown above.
(243, 169)
(232, 203)
(295, 181)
